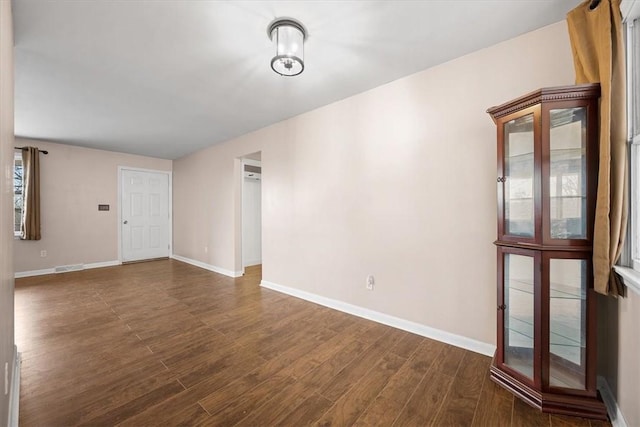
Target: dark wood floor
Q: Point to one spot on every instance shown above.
(165, 343)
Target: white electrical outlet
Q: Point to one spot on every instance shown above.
(370, 283)
(6, 378)
(43, 253)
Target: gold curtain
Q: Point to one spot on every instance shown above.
(599, 56)
(30, 225)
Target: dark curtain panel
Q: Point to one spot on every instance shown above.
(30, 225)
(598, 54)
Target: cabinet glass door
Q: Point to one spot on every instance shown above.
(519, 312)
(567, 174)
(567, 322)
(519, 215)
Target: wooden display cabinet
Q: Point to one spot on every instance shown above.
(547, 176)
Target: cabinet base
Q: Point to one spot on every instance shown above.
(577, 406)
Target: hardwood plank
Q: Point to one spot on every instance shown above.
(423, 406)
(325, 372)
(495, 406)
(41, 395)
(350, 405)
(599, 423)
(163, 342)
(305, 334)
(297, 359)
(182, 414)
(318, 354)
(373, 333)
(359, 367)
(90, 361)
(136, 405)
(192, 415)
(171, 344)
(278, 406)
(307, 354)
(331, 321)
(190, 356)
(526, 416)
(177, 404)
(295, 394)
(251, 318)
(450, 360)
(426, 401)
(464, 393)
(270, 334)
(407, 345)
(389, 403)
(558, 420)
(238, 408)
(217, 364)
(218, 399)
(94, 403)
(307, 412)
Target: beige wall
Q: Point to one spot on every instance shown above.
(627, 379)
(6, 201)
(73, 182)
(619, 351)
(397, 182)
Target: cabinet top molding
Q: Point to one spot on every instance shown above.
(558, 93)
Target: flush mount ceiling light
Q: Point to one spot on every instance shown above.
(288, 37)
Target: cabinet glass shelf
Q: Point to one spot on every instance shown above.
(556, 290)
(564, 335)
(568, 154)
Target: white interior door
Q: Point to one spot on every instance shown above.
(144, 215)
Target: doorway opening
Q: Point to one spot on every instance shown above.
(251, 216)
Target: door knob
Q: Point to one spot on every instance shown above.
(126, 222)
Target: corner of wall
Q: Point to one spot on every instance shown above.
(7, 340)
(238, 177)
(615, 414)
(14, 395)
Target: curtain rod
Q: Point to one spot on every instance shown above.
(42, 151)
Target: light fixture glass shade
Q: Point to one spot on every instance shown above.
(288, 37)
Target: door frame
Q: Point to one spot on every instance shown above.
(119, 205)
(251, 162)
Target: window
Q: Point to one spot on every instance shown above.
(17, 193)
(634, 127)
(631, 258)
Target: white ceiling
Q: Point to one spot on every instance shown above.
(166, 78)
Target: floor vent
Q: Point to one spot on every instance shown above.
(65, 268)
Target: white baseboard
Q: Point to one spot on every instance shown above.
(206, 266)
(19, 274)
(14, 395)
(102, 264)
(615, 414)
(396, 322)
(60, 269)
